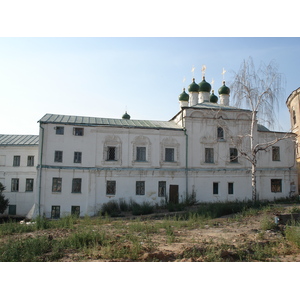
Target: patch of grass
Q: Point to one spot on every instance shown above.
(268, 223)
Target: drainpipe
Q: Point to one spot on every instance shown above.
(186, 156)
(40, 167)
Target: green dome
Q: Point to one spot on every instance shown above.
(204, 86)
(183, 96)
(213, 98)
(193, 87)
(126, 116)
(224, 90)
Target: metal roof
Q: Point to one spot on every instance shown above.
(93, 121)
(19, 140)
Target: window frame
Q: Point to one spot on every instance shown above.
(215, 188)
(233, 155)
(275, 153)
(58, 156)
(230, 188)
(59, 130)
(276, 185)
(209, 155)
(29, 185)
(16, 161)
(141, 153)
(30, 160)
(77, 157)
(78, 131)
(109, 156)
(55, 211)
(169, 154)
(140, 188)
(76, 185)
(56, 184)
(111, 187)
(162, 189)
(15, 185)
(220, 133)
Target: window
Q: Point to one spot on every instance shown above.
(29, 185)
(16, 162)
(59, 130)
(12, 209)
(56, 185)
(294, 116)
(161, 189)
(55, 212)
(220, 133)
(58, 156)
(276, 185)
(216, 188)
(76, 185)
(230, 188)
(140, 188)
(169, 154)
(78, 131)
(141, 153)
(111, 153)
(233, 153)
(15, 184)
(110, 188)
(30, 161)
(275, 153)
(77, 157)
(209, 155)
(75, 210)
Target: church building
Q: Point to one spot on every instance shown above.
(84, 162)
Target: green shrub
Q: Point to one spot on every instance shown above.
(142, 209)
(111, 208)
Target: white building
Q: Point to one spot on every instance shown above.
(18, 162)
(87, 161)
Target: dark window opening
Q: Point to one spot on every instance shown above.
(110, 188)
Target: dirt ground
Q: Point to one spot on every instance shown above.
(226, 235)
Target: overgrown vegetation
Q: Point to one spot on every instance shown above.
(3, 200)
(121, 239)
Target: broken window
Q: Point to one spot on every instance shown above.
(276, 185)
(161, 189)
(56, 184)
(78, 131)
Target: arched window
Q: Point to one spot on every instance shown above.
(220, 133)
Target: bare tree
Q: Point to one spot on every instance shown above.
(258, 90)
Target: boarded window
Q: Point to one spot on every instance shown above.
(140, 188)
(209, 155)
(110, 187)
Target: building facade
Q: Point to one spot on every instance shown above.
(84, 162)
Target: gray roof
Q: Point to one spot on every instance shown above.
(19, 140)
(93, 121)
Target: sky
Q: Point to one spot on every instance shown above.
(106, 76)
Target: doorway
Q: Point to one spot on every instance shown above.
(173, 194)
